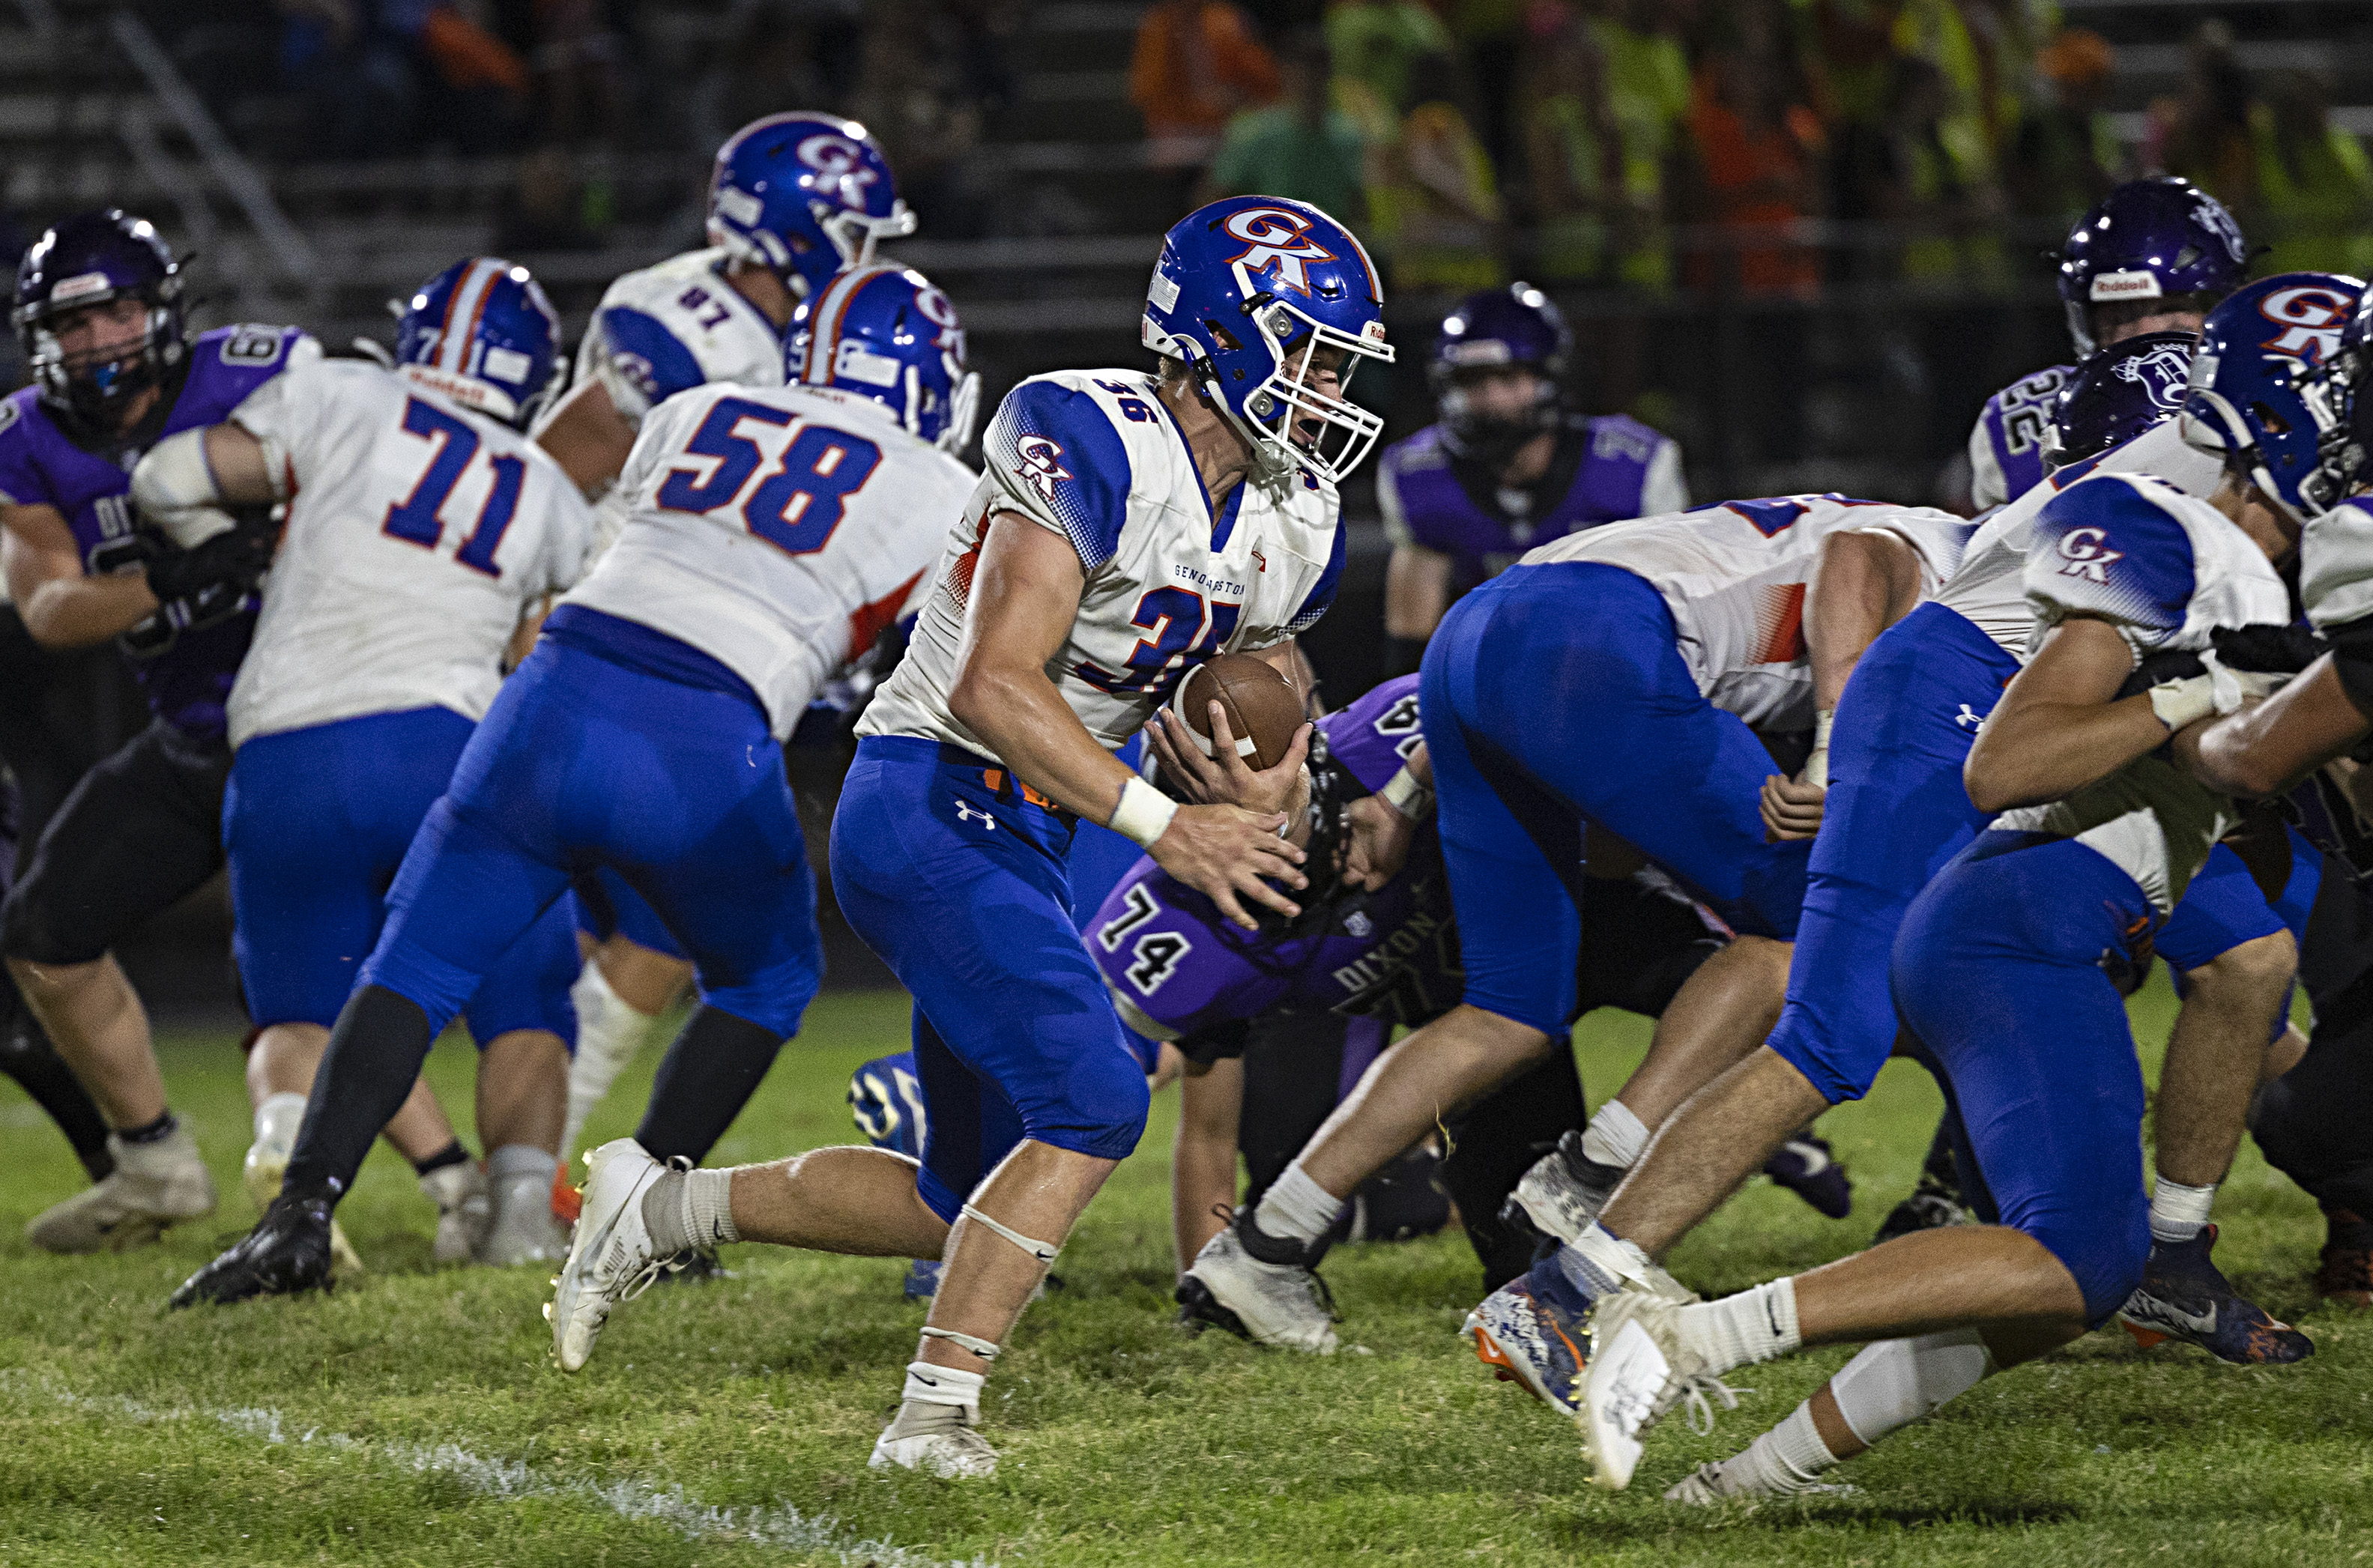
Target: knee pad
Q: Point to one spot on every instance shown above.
(1099, 1108)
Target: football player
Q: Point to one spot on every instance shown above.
(793, 199)
(1609, 680)
(2153, 255)
(1916, 700)
(1507, 466)
(2001, 972)
(773, 534)
(1127, 526)
(99, 311)
(422, 528)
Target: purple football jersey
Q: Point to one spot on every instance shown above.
(1619, 469)
(1174, 963)
(2006, 448)
(188, 683)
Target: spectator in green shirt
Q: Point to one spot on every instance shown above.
(1298, 147)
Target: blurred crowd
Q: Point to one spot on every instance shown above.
(1663, 143)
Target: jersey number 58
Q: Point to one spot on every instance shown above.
(795, 503)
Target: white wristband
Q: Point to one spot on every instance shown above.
(1407, 796)
(1143, 814)
(1816, 764)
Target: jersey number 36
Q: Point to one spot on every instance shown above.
(797, 501)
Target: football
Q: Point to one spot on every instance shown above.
(1263, 708)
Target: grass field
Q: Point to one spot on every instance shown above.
(414, 1417)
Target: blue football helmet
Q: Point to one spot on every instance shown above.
(1516, 325)
(888, 334)
(1245, 293)
(804, 195)
(2256, 394)
(2117, 394)
(95, 258)
(481, 333)
(2148, 239)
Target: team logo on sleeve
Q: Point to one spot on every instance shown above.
(2311, 318)
(2163, 374)
(1041, 467)
(1277, 241)
(2089, 556)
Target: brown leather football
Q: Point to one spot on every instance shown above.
(1263, 708)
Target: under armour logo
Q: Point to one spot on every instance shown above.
(965, 812)
(1970, 718)
(1277, 240)
(2087, 555)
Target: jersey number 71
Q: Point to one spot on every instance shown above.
(795, 504)
(415, 519)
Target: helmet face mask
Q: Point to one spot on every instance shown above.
(1272, 304)
(71, 289)
(2334, 393)
(1494, 334)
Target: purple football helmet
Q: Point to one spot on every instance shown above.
(1245, 292)
(2148, 239)
(888, 334)
(2256, 392)
(804, 195)
(1516, 325)
(481, 333)
(96, 258)
(2117, 394)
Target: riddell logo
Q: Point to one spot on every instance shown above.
(2136, 285)
(2083, 549)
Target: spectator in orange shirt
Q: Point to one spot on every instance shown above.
(1196, 64)
(1756, 149)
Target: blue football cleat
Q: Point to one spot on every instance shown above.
(2183, 1296)
(1534, 1332)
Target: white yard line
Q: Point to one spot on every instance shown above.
(509, 1481)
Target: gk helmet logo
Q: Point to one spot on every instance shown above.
(2083, 550)
(937, 307)
(2163, 373)
(1041, 465)
(1276, 241)
(2313, 317)
(838, 159)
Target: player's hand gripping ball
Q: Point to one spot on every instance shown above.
(1262, 708)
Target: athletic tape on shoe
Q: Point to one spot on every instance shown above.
(1037, 1249)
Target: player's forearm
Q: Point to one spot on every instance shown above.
(85, 612)
(2044, 752)
(1020, 718)
(1865, 583)
(2262, 748)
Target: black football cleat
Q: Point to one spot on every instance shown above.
(286, 1254)
(1804, 1166)
(1935, 1201)
(2184, 1296)
(2345, 1272)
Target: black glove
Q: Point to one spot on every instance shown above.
(237, 560)
(2161, 668)
(2288, 649)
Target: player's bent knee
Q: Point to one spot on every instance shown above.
(2104, 1253)
(2266, 963)
(1098, 1106)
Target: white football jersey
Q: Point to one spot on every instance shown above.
(1734, 576)
(418, 532)
(1093, 455)
(777, 531)
(1988, 588)
(670, 327)
(2336, 565)
(2166, 570)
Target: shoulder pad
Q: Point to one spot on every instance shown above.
(645, 355)
(1057, 450)
(2111, 545)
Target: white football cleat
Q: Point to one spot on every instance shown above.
(260, 1172)
(1728, 1481)
(943, 1445)
(611, 1259)
(153, 1187)
(1564, 1190)
(1269, 1303)
(465, 1210)
(1639, 1370)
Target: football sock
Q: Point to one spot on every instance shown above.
(1755, 1324)
(149, 1131)
(708, 1076)
(1297, 1207)
(524, 1167)
(277, 1118)
(610, 1033)
(375, 1053)
(1614, 1136)
(2178, 1211)
(451, 1154)
(26, 1055)
(1896, 1382)
(684, 1210)
(1787, 1459)
(928, 1384)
